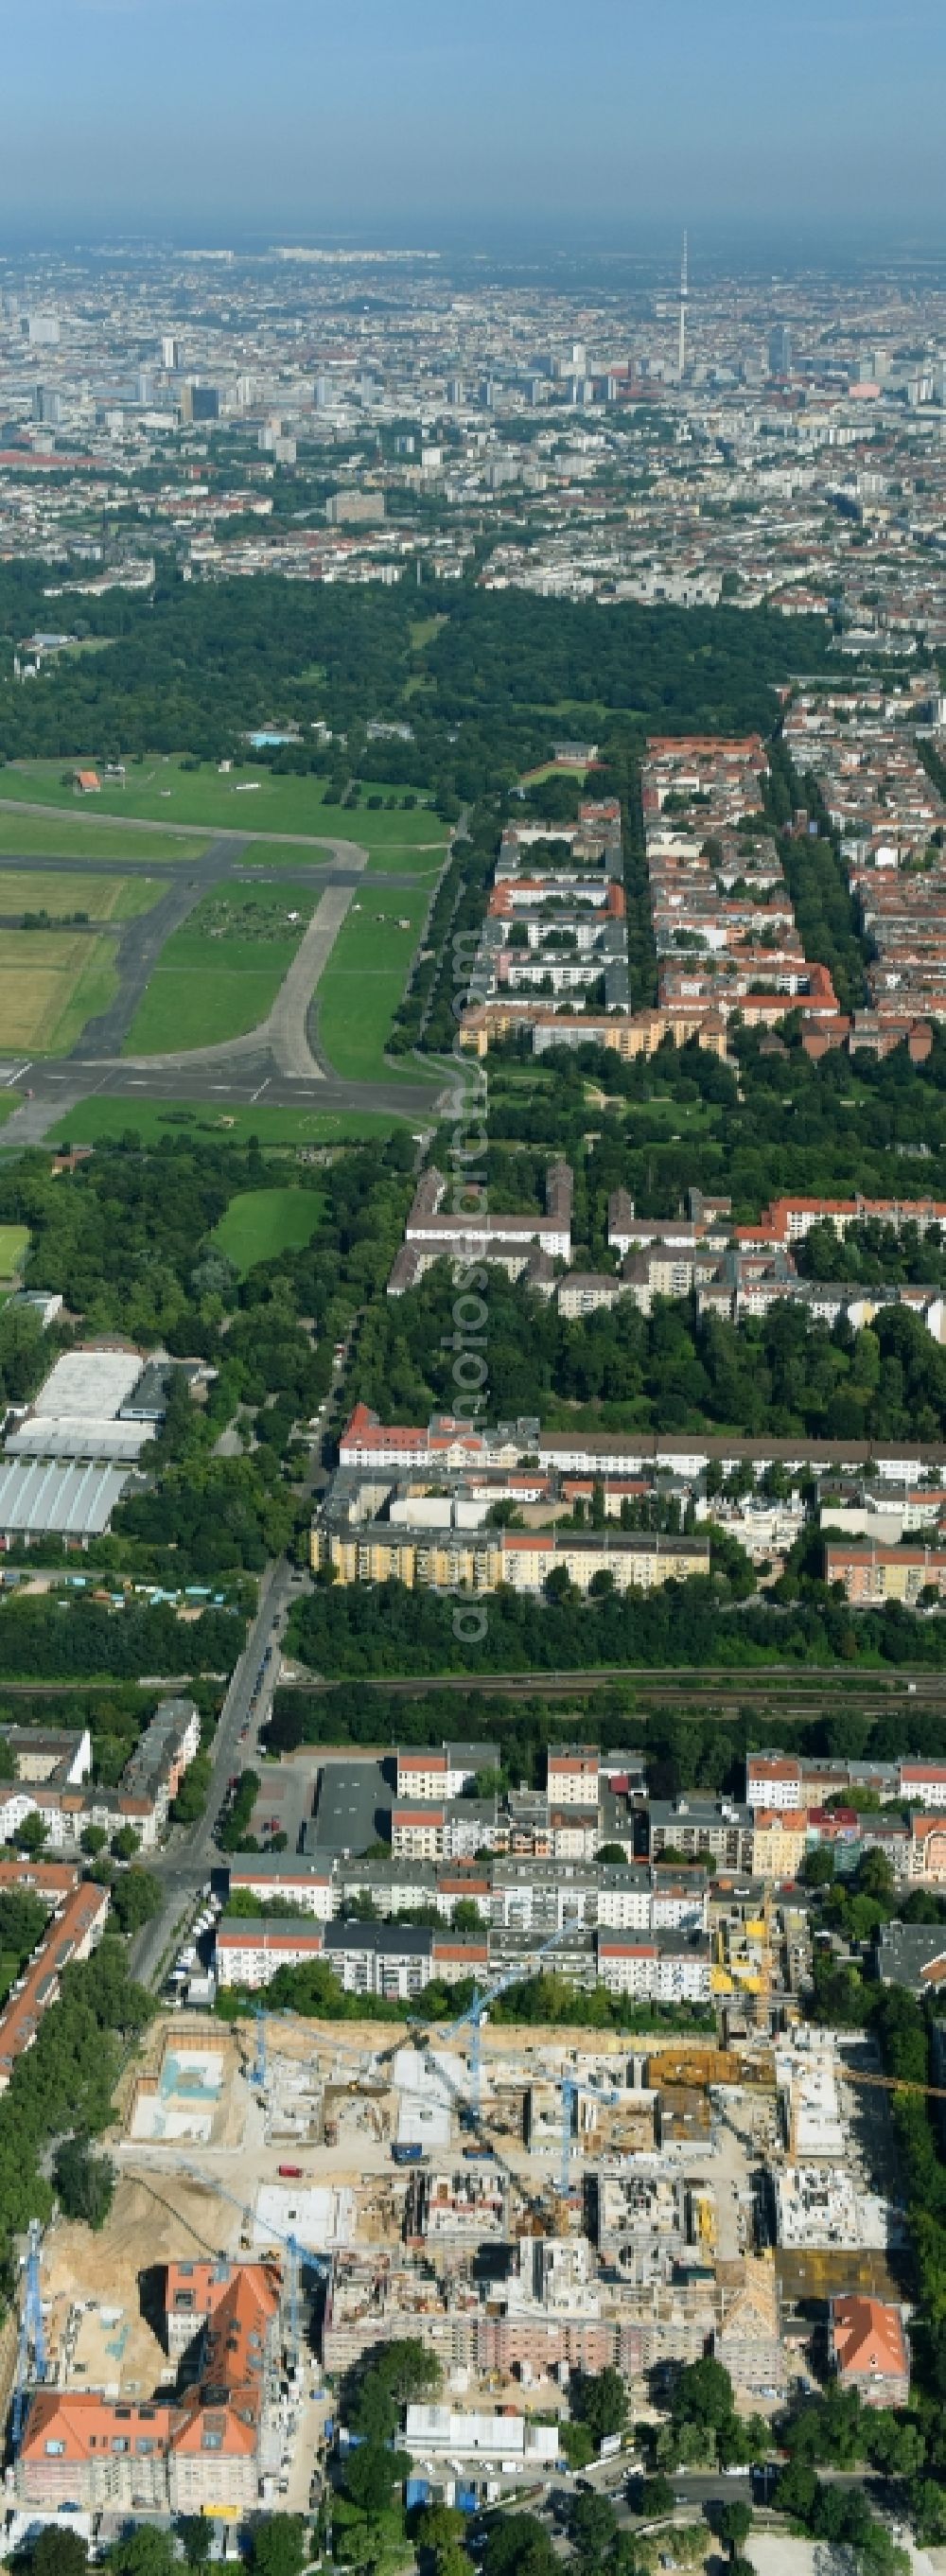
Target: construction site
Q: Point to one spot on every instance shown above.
(524, 2204)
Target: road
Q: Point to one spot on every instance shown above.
(187, 1859)
(237, 1082)
(186, 1863)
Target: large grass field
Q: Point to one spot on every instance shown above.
(14, 1246)
(211, 984)
(100, 1121)
(160, 790)
(259, 1223)
(364, 981)
(78, 836)
(102, 898)
(51, 983)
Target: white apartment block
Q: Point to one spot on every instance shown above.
(249, 1951)
(775, 1780)
(574, 1776)
(924, 1783)
(657, 1971)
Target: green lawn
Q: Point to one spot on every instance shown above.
(14, 1246)
(259, 1223)
(211, 985)
(78, 836)
(99, 1121)
(361, 987)
(253, 799)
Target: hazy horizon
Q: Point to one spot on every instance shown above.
(203, 121)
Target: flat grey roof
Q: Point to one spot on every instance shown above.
(354, 1808)
(89, 1382)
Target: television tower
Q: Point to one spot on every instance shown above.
(684, 293)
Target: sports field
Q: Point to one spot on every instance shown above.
(219, 976)
(259, 1223)
(100, 898)
(40, 836)
(160, 790)
(364, 981)
(14, 1246)
(100, 1121)
(51, 983)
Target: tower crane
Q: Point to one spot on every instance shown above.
(258, 2068)
(301, 2257)
(31, 2347)
(476, 2012)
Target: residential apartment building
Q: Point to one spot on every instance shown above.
(443, 1771)
(73, 1931)
(250, 1950)
(204, 2451)
(869, 2350)
(872, 1575)
(698, 1829)
(572, 1775)
(664, 1969)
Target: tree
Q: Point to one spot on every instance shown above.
(734, 2523)
(578, 2444)
(145, 2552)
(518, 2545)
(84, 2181)
(656, 2498)
(371, 2472)
(387, 2378)
(894, 2445)
(195, 2533)
(599, 2400)
(592, 2525)
(58, 2552)
(439, 2534)
(702, 2395)
(30, 1836)
(279, 2545)
(136, 1899)
(92, 1840)
(125, 1843)
(929, 2513)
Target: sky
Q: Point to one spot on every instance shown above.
(471, 120)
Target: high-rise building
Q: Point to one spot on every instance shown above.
(47, 405)
(780, 350)
(42, 330)
(684, 302)
(205, 402)
(170, 354)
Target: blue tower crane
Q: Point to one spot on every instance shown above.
(301, 2257)
(475, 2016)
(31, 2347)
(258, 2068)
